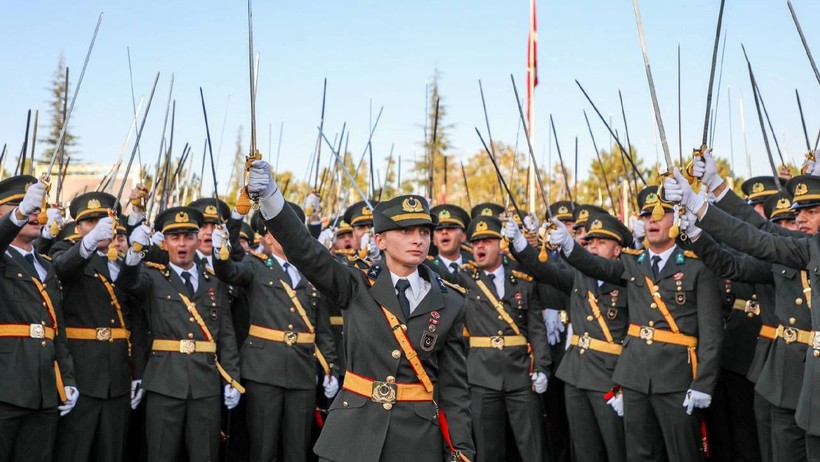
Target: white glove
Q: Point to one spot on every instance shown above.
(688, 224)
(231, 397)
(219, 238)
(327, 237)
(140, 235)
(677, 189)
(696, 399)
(72, 395)
(554, 326)
(531, 222)
(706, 169)
(560, 237)
(54, 216)
(312, 205)
(539, 382)
(331, 386)
(638, 228)
(512, 232)
(102, 231)
(33, 199)
(617, 403)
(260, 182)
(157, 238)
(811, 167)
(137, 392)
(367, 244)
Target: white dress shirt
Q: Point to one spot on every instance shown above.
(447, 262)
(192, 270)
(41, 271)
(418, 288)
(498, 281)
(207, 258)
(664, 257)
(295, 277)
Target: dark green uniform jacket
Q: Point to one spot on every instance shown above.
(357, 429)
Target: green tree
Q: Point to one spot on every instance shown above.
(57, 107)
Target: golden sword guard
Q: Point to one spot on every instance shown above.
(112, 249)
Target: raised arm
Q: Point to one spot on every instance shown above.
(547, 272)
(730, 265)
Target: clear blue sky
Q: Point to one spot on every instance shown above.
(386, 51)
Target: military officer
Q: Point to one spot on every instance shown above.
(450, 235)
(580, 218)
(97, 327)
(214, 212)
(184, 321)
(798, 254)
(403, 328)
(289, 332)
(758, 188)
(247, 238)
(36, 369)
(671, 354)
(600, 319)
(360, 217)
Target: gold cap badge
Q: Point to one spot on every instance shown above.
(801, 189)
(93, 204)
(181, 217)
(412, 205)
(481, 226)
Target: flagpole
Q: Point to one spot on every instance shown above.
(532, 81)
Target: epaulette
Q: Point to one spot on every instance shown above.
(453, 286)
(430, 258)
(521, 275)
(156, 266)
(45, 257)
(469, 266)
(467, 248)
(690, 254)
(259, 255)
(210, 271)
(631, 251)
(360, 263)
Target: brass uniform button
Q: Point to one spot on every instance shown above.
(396, 354)
(651, 323)
(290, 326)
(345, 404)
(387, 406)
(816, 353)
(192, 319)
(404, 327)
(798, 301)
(112, 321)
(792, 321)
(653, 305)
(292, 309)
(500, 333)
(590, 318)
(500, 318)
(43, 343)
(190, 335)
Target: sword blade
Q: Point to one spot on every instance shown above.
(711, 74)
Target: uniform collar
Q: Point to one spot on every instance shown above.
(414, 279)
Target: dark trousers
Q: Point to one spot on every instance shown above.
(763, 420)
(788, 440)
(490, 410)
(95, 429)
(176, 426)
(731, 420)
(27, 434)
(279, 418)
(658, 428)
(555, 418)
(595, 429)
(813, 447)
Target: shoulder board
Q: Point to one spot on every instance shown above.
(45, 257)
(259, 255)
(156, 266)
(521, 275)
(690, 254)
(642, 257)
(467, 248)
(470, 267)
(455, 287)
(631, 251)
(210, 271)
(430, 258)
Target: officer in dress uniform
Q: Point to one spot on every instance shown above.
(449, 236)
(671, 354)
(403, 327)
(580, 219)
(214, 212)
(289, 332)
(360, 217)
(600, 319)
(97, 327)
(184, 344)
(36, 369)
(798, 253)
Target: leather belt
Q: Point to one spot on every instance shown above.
(184, 346)
(651, 334)
(768, 332)
(499, 342)
(287, 337)
(793, 334)
(103, 334)
(27, 331)
(750, 307)
(586, 342)
(336, 321)
(387, 392)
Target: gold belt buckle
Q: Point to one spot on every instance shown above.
(36, 331)
(103, 334)
(290, 338)
(752, 308)
(583, 342)
(648, 334)
(187, 346)
(384, 393)
(497, 342)
(815, 340)
(789, 334)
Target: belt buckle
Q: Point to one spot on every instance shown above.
(187, 346)
(384, 393)
(583, 342)
(497, 342)
(36, 331)
(789, 335)
(752, 308)
(290, 338)
(648, 334)
(103, 334)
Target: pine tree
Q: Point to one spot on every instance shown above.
(57, 106)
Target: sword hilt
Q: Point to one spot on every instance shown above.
(112, 249)
(809, 157)
(42, 217)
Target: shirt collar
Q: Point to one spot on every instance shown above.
(414, 279)
(447, 261)
(179, 270)
(23, 252)
(281, 261)
(664, 255)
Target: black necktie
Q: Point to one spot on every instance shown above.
(655, 269)
(289, 280)
(401, 286)
(454, 267)
(188, 284)
(491, 277)
(30, 259)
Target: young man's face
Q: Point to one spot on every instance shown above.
(345, 241)
(181, 248)
(29, 231)
(604, 248)
(206, 245)
(808, 220)
(448, 241)
(407, 247)
(487, 253)
(657, 232)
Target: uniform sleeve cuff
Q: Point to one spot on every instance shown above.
(19, 223)
(271, 206)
